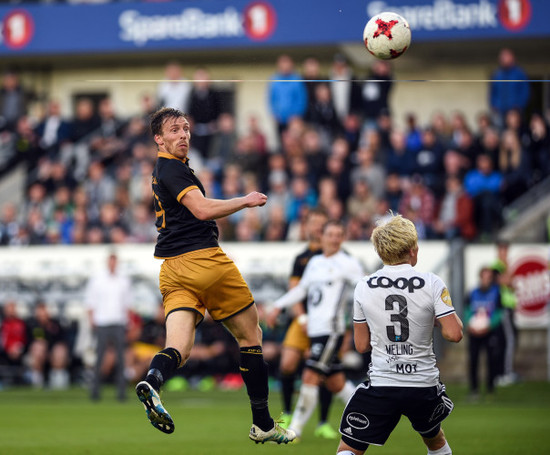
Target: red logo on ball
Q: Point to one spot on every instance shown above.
(260, 20)
(514, 14)
(384, 28)
(531, 283)
(18, 28)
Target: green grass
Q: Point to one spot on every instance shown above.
(516, 421)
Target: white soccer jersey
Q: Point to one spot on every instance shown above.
(399, 304)
(327, 282)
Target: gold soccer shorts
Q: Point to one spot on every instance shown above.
(204, 280)
(296, 337)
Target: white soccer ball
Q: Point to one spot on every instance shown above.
(387, 35)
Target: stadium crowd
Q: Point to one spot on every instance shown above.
(88, 176)
(88, 181)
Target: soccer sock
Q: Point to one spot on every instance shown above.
(287, 389)
(347, 391)
(307, 401)
(162, 367)
(445, 450)
(255, 375)
(325, 399)
(345, 452)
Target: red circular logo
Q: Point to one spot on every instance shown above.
(514, 14)
(531, 282)
(18, 28)
(260, 20)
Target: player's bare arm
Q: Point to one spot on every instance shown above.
(451, 327)
(205, 208)
(361, 337)
(292, 297)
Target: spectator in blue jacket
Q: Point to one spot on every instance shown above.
(286, 99)
(483, 184)
(508, 95)
(483, 315)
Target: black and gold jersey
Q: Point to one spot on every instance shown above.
(301, 261)
(179, 230)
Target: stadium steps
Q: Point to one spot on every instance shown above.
(526, 219)
(12, 186)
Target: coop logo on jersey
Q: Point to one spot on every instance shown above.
(514, 14)
(358, 421)
(260, 20)
(446, 297)
(17, 29)
(531, 283)
(385, 282)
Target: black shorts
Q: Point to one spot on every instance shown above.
(323, 356)
(373, 412)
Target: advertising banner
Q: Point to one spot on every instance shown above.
(50, 29)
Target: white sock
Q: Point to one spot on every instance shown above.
(445, 450)
(345, 452)
(59, 379)
(347, 391)
(307, 402)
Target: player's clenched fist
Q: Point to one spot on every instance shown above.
(255, 199)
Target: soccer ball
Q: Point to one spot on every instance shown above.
(387, 35)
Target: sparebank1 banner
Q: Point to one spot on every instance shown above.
(49, 29)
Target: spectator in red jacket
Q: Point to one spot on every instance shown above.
(13, 335)
(456, 213)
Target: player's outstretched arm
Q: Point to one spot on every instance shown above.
(451, 327)
(205, 208)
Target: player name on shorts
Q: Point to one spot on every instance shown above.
(399, 349)
(410, 284)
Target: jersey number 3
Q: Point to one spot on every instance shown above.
(399, 317)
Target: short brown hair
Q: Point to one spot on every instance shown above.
(336, 223)
(159, 117)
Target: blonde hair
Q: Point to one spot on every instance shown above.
(393, 239)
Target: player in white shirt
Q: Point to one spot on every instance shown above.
(394, 313)
(326, 281)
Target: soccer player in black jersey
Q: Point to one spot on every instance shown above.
(196, 276)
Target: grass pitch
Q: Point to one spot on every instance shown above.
(515, 421)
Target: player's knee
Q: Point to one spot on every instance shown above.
(287, 367)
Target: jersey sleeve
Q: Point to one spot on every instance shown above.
(298, 292)
(178, 180)
(358, 313)
(443, 305)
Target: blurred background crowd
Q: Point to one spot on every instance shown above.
(338, 147)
